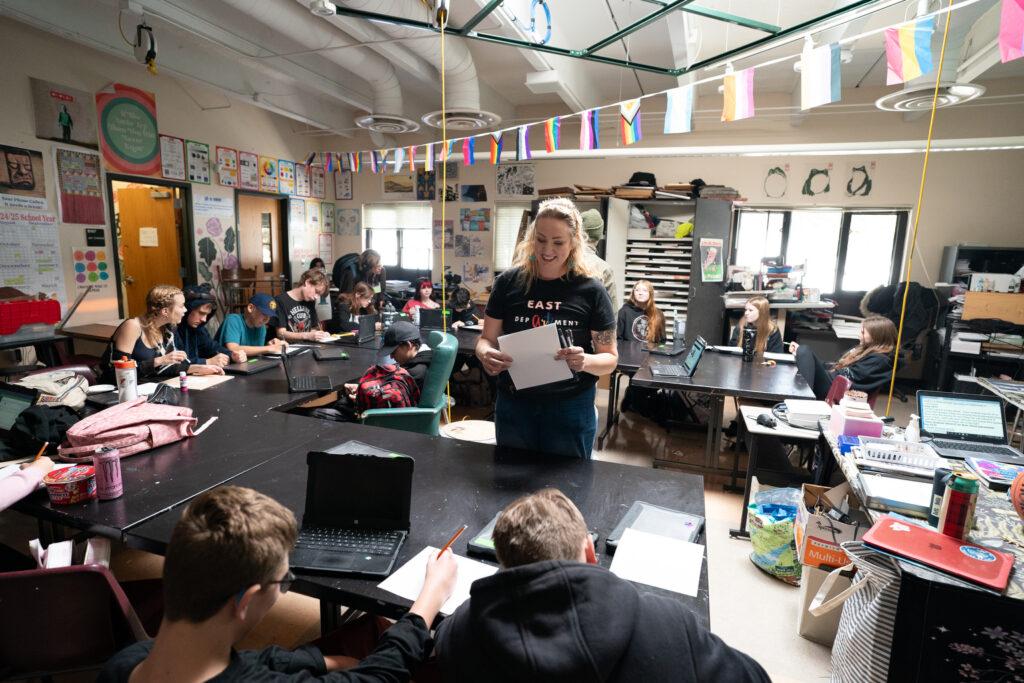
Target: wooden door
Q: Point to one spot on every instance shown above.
(260, 243)
(149, 243)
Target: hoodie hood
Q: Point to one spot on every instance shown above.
(552, 620)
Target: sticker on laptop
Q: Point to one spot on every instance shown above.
(899, 526)
(976, 553)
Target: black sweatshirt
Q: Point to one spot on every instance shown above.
(568, 621)
(773, 345)
(631, 324)
(869, 373)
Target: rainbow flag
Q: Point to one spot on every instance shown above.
(523, 143)
(1011, 30)
(589, 130)
(908, 51)
(354, 161)
(412, 158)
(629, 121)
(399, 159)
(820, 80)
(679, 110)
(428, 157)
(375, 161)
(446, 151)
(551, 129)
(496, 143)
(739, 95)
(468, 151)
(329, 163)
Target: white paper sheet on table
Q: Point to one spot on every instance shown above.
(533, 354)
(407, 581)
(659, 561)
(200, 382)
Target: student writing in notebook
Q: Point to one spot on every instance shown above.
(191, 335)
(226, 566)
(246, 332)
(639, 318)
(757, 314)
(868, 365)
(551, 613)
(295, 316)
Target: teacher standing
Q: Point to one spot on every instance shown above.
(550, 283)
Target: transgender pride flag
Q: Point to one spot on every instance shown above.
(1011, 30)
(908, 51)
(820, 81)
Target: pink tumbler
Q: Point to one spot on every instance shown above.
(107, 462)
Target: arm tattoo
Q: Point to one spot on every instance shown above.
(603, 337)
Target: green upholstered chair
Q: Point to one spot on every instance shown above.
(426, 417)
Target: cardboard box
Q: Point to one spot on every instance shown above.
(818, 629)
(817, 535)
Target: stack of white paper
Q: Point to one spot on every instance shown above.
(659, 561)
(533, 355)
(407, 582)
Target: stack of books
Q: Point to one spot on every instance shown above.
(584, 192)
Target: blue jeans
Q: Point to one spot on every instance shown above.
(557, 425)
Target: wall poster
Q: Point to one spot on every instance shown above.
(198, 154)
(286, 176)
(317, 188)
(327, 216)
(79, 192)
(227, 166)
(343, 185)
(268, 175)
(248, 171)
(128, 129)
(29, 254)
(711, 268)
(346, 222)
(302, 180)
(172, 157)
(22, 179)
(64, 114)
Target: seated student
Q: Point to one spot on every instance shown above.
(191, 336)
(12, 489)
(639, 318)
(462, 309)
(867, 365)
(424, 288)
(757, 313)
(226, 566)
(401, 351)
(317, 264)
(148, 339)
(295, 316)
(348, 306)
(246, 332)
(552, 614)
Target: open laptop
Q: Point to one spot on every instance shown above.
(688, 366)
(366, 334)
(251, 366)
(357, 515)
(925, 546)
(14, 400)
(305, 382)
(966, 425)
(432, 319)
(678, 344)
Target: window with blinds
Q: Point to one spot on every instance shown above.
(507, 219)
(400, 233)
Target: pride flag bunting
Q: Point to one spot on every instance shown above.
(1011, 30)
(399, 160)
(311, 158)
(551, 134)
(523, 143)
(739, 95)
(820, 81)
(589, 130)
(679, 110)
(412, 158)
(497, 140)
(468, 151)
(354, 161)
(629, 121)
(375, 161)
(329, 163)
(428, 157)
(908, 51)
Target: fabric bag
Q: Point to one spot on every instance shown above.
(131, 427)
(58, 388)
(387, 386)
(863, 643)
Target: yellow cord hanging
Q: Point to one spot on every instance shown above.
(444, 206)
(917, 210)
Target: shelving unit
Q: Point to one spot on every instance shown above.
(665, 262)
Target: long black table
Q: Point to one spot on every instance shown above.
(720, 375)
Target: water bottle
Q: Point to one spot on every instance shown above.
(912, 434)
(389, 315)
(126, 377)
(749, 343)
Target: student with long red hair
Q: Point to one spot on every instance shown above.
(758, 315)
(639, 318)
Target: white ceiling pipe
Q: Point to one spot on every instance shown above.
(302, 27)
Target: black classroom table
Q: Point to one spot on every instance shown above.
(725, 374)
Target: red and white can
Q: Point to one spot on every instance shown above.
(71, 485)
(107, 462)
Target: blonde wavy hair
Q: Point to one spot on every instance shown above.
(525, 258)
(157, 299)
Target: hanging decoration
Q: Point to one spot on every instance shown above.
(629, 121)
(820, 80)
(1011, 30)
(310, 159)
(468, 151)
(329, 163)
(908, 51)
(428, 157)
(739, 95)
(399, 159)
(523, 143)
(551, 134)
(679, 110)
(497, 140)
(354, 161)
(412, 158)
(375, 161)
(589, 130)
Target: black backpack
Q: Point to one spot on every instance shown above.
(345, 265)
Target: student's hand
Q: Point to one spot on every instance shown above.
(239, 356)
(276, 346)
(220, 360)
(351, 390)
(171, 358)
(456, 325)
(574, 356)
(793, 346)
(318, 336)
(43, 464)
(205, 370)
(494, 361)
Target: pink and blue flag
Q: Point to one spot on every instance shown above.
(908, 51)
(1011, 30)
(468, 151)
(739, 95)
(820, 80)
(589, 130)
(679, 110)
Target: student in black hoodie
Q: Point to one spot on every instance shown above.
(868, 365)
(639, 318)
(551, 614)
(191, 335)
(757, 314)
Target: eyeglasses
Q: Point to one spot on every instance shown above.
(285, 582)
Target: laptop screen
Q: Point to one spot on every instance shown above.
(358, 490)
(12, 404)
(962, 416)
(693, 356)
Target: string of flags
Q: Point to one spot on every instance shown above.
(908, 50)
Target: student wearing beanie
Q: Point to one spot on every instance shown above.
(593, 228)
(191, 335)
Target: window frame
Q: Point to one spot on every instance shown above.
(895, 257)
(368, 233)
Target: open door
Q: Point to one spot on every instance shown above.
(261, 241)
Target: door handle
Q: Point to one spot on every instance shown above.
(129, 280)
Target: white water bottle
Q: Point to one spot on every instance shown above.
(912, 434)
(126, 376)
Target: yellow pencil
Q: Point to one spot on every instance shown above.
(41, 451)
(452, 540)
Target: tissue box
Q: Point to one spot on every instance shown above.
(817, 535)
(842, 424)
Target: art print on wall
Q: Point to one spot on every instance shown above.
(449, 234)
(79, 189)
(346, 222)
(327, 216)
(63, 114)
(475, 220)
(401, 186)
(473, 193)
(22, 179)
(817, 182)
(776, 181)
(426, 185)
(343, 185)
(129, 139)
(515, 181)
(268, 175)
(711, 267)
(860, 180)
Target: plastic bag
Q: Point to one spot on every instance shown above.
(772, 519)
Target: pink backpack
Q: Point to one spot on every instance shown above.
(130, 427)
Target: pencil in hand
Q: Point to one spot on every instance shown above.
(41, 451)
(452, 540)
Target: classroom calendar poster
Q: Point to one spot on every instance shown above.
(286, 176)
(227, 167)
(79, 193)
(302, 180)
(172, 157)
(268, 174)
(198, 154)
(317, 188)
(248, 171)
(30, 254)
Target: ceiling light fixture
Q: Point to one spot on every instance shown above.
(322, 8)
(915, 99)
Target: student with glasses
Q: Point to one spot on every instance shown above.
(226, 566)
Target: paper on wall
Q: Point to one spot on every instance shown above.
(533, 353)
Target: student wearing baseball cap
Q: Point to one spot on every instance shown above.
(247, 332)
(402, 349)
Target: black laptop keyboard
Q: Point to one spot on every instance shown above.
(667, 370)
(307, 383)
(975, 447)
(357, 541)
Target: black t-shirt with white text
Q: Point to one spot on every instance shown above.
(578, 306)
(295, 316)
